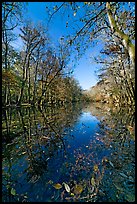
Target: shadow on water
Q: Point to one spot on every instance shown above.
(68, 154)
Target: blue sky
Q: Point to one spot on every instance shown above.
(84, 72)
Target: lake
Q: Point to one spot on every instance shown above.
(76, 153)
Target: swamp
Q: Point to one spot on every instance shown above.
(68, 102)
(83, 152)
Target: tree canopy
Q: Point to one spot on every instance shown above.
(39, 67)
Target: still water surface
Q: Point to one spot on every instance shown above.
(68, 154)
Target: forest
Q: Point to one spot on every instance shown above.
(40, 74)
(50, 122)
(37, 74)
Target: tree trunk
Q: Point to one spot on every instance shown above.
(35, 80)
(25, 77)
(29, 85)
(130, 47)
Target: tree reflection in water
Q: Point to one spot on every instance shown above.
(118, 183)
(35, 135)
(37, 154)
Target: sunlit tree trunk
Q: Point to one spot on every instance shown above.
(5, 41)
(25, 77)
(125, 38)
(35, 82)
(29, 86)
(32, 38)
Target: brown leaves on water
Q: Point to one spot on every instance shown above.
(57, 186)
(130, 129)
(78, 189)
(92, 181)
(95, 168)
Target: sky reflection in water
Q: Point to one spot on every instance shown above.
(35, 165)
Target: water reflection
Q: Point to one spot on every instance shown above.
(91, 149)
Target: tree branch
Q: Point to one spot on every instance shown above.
(130, 47)
(55, 12)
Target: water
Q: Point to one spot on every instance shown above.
(91, 149)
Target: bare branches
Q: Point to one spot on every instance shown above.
(57, 9)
